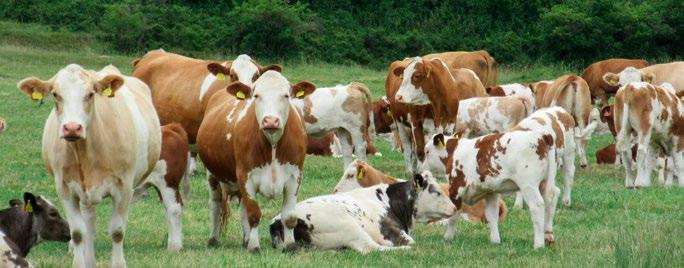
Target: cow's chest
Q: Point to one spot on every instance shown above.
(271, 178)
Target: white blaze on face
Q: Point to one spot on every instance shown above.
(271, 96)
(433, 203)
(408, 92)
(348, 181)
(74, 90)
(433, 158)
(629, 75)
(245, 69)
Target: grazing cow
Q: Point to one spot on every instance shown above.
(344, 109)
(431, 82)
(486, 115)
(361, 175)
(570, 92)
(367, 219)
(656, 116)
(101, 140)
(24, 225)
(3, 125)
(593, 74)
(487, 166)
(253, 140)
(671, 73)
(382, 116)
(182, 86)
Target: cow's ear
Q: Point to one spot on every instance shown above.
(30, 205)
(239, 90)
(271, 67)
(37, 89)
(108, 85)
(611, 79)
(302, 89)
(360, 171)
(399, 71)
(438, 141)
(218, 70)
(419, 181)
(648, 77)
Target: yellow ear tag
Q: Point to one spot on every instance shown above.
(299, 94)
(359, 175)
(240, 95)
(389, 113)
(440, 145)
(401, 76)
(220, 76)
(613, 82)
(36, 96)
(417, 185)
(682, 98)
(28, 208)
(107, 92)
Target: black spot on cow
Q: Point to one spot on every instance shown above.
(378, 194)
(308, 217)
(302, 233)
(399, 217)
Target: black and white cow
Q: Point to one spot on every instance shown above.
(368, 219)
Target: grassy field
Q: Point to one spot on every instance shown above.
(606, 225)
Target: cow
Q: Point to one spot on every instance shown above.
(479, 62)
(3, 125)
(344, 109)
(593, 75)
(367, 219)
(432, 82)
(513, 90)
(102, 139)
(485, 167)
(361, 175)
(326, 145)
(252, 140)
(25, 224)
(384, 122)
(656, 116)
(484, 115)
(570, 92)
(659, 74)
(608, 154)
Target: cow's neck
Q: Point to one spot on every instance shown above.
(401, 205)
(445, 96)
(17, 225)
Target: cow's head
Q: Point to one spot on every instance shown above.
(47, 222)
(3, 125)
(382, 116)
(357, 175)
(242, 69)
(628, 75)
(413, 81)
(75, 92)
(271, 96)
(432, 203)
(437, 153)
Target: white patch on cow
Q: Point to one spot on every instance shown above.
(629, 75)
(269, 180)
(245, 69)
(432, 203)
(408, 92)
(141, 130)
(244, 110)
(208, 80)
(73, 85)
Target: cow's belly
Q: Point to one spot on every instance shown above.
(270, 179)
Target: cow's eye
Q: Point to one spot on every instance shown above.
(90, 95)
(256, 96)
(255, 77)
(286, 96)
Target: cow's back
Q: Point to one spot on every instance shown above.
(672, 73)
(479, 62)
(593, 74)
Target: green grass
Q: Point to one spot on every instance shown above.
(606, 226)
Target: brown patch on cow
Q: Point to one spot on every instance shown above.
(354, 101)
(307, 116)
(487, 147)
(455, 183)
(175, 149)
(117, 236)
(76, 237)
(544, 145)
(593, 74)
(566, 119)
(560, 138)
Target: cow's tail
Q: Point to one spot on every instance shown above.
(370, 124)
(302, 233)
(560, 87)
(623, 139)
(586, 132)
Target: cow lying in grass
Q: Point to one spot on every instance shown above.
(24, 225)
(367, 219)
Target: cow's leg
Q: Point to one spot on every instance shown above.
(218, 209)
(77, 225)
(360, 144)
(492, 215)
(89, 215)
(550, 201)
(250, 212)
(288, 216)
(643, 178)
(568, 175)
(451, 226)
(535, 204)
(365, 244)
(174, 214)
(669, 171)
(121, 201)
(624, 150)
(407, 149)
(678, 166)
(581, 148)
(346, 146)
(518, 204)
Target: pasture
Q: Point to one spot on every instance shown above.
(607, 225)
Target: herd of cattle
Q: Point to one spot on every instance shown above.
(112, 135)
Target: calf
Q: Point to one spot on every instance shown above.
(361, 175)
(101, 140)
(571, 93)
(344, 109)
(487, 166)
(656, 116)
(485, 115)
(608, 154)
(513, 90)
(593, 74)
(251, 141)
(367, 219)
(24, 225)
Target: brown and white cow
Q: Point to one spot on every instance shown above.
(361, 175)
(571, 93)
(487, 166)
(513, 90)
(182, 86)
(671, 73)
(656, 116)
(344, 109)
(479, 62)
(253, 140)
(485, 115)
(101, 140)
(593, 74)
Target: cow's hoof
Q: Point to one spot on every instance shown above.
(255, 251)
(566, 203)
(291, 248)
(549, 239)
(212, 242)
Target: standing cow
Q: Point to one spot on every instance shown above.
(485, 115)
(593, 74)
(253, 140)
(666, 73)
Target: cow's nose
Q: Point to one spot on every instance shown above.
(398, 97)
(72, 131)
(271, 122)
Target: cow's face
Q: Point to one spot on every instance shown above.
(382, 116)
(74, 91)
(628, 75)
(271, 99)
(412, 79)
(353, 177)
(47, 222)
(243, 69)
(432, 203)
(436, 154)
